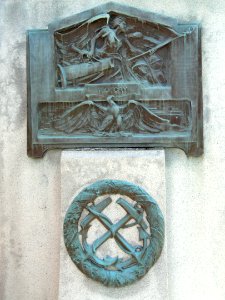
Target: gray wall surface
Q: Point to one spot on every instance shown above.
(29, 189)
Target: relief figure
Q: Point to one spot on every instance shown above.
(109, 49)
(112, 119)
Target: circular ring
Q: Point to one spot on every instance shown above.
(128, 272)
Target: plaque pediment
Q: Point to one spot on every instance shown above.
(114, 76)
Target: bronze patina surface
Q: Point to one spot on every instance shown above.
(115, 271)
(114, 76)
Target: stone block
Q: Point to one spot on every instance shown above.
(80, 169)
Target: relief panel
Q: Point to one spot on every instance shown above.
(114, 76)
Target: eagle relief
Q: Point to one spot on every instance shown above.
(114, 76)
(111, 119)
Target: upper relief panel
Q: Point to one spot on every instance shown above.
(113, 48)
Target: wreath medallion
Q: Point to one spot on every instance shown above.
(143, 212)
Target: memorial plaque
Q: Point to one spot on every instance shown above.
(114, 76)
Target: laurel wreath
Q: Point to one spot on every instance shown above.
(114, 278)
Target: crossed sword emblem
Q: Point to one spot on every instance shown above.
(133, 212)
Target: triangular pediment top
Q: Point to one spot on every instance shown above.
(141, 14)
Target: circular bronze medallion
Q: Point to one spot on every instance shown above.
(142, 211)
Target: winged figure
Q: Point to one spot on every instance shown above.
(131, 46)
(112, 118)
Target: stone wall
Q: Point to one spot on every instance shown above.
(29, 189)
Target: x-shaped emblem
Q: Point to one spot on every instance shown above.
(142, 212)
(133, 212)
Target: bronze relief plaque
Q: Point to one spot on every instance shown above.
(114, 76)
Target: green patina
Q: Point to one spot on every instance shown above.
(114, 76)
(114, 271)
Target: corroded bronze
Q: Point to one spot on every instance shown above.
(114, 76)
(114, 270)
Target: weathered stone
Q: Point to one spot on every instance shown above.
(29, 190)
(80, 169)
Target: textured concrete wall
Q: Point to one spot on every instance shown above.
(29, 189)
